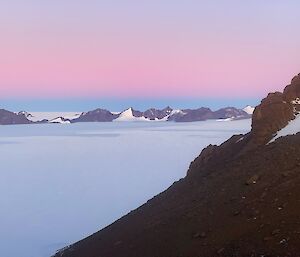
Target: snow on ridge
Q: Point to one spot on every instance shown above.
(177, 112)
(60, 120)
(249, 109)
(127, 115)
(117, 113)
(292, 128)
(296, 101)
(227, 119)
(39, 116)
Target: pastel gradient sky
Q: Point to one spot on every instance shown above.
(158, 50)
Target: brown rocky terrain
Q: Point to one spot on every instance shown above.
(241, 198)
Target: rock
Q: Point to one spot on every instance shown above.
(274, 112)
(236, 213)
(252, 180)
(10, 118)
(199, 235)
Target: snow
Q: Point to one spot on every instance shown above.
(59, 184)
(249, 109)
(38, 116)
(127, 115)
(291, 129)
(227, 119)
(60, 120)
(177, 112)
(296, 101)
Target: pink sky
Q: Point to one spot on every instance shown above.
(67, 49)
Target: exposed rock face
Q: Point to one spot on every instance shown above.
(155, 114)
(10, 118)
(245, 206)
(236, 200)
(275, 112)
(193, 115)
(98, 115)
(136, 113)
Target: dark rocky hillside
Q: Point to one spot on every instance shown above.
(241, 198)
(10, 118)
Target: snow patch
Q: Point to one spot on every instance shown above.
(241, 139)
(227, 119)
(39, 116)
(60, 120)
(291, 129)
(249, 109)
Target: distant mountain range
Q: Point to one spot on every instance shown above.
(102, 115)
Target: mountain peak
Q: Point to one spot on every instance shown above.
(249, 109)
(275, 112)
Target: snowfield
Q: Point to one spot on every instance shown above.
(291, 129)
(60, 183)
(38, 116)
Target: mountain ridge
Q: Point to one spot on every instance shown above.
(129, 114)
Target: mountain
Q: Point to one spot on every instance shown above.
(249, 109)
(238, 199)
(7, 118)
(188, 115)
(201, 114)
(102, 115)
(98, 115)
(155, 114)
(166, 114)
(131, 115)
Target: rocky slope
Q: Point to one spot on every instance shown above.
(238, 199)
(8, 118)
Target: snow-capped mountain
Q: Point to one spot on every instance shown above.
(186, 115)
(131, 115)
(102, 115)
(249, 109)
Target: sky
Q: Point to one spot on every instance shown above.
(81, 54)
